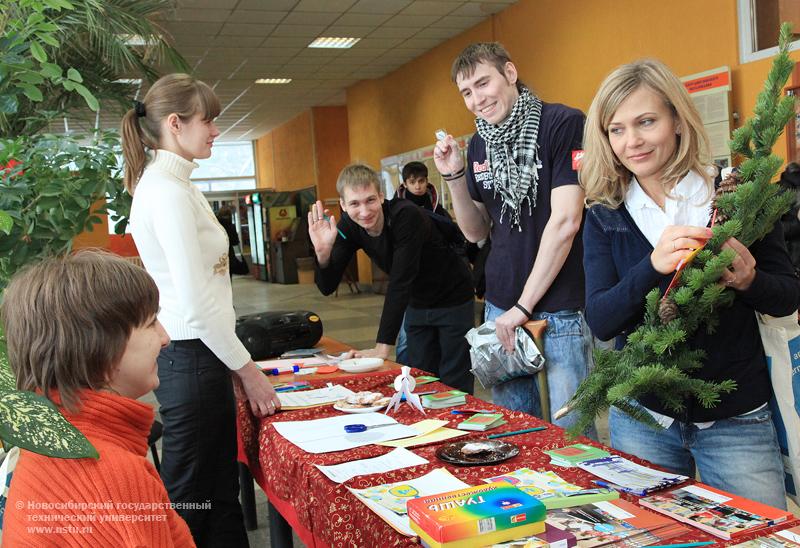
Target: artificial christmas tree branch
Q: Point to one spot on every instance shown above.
(656, 358)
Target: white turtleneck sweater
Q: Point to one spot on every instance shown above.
(185, 250)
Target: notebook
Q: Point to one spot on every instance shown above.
(482, 422)
(552, 490)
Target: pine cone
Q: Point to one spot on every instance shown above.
(729, 184)
(667, 311)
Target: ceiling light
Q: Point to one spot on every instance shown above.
(273, 80)
(331, 42)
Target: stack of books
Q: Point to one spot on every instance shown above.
(440, 400)
(551, 538)
(571, 455)
(717, 512)
(481, 422)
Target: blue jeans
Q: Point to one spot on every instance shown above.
(401, 350)
(739, 454)
(567, 352)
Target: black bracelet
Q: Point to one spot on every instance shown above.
(522, 309)
(453, 176)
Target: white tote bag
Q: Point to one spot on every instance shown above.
(781, 339)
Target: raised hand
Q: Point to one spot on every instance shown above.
(322, 231)
(447, 156)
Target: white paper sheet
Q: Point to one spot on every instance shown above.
(328, 435)
(432, 483)
(394, 460)
(311, 398)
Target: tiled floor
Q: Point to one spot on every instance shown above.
(348, 317)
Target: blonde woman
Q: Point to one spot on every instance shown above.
(649, 182)
(185, 250)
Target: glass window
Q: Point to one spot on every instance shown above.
(759, 22)
(228, 159)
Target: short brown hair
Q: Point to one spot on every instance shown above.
(68, 320)
(481, 52)
(357, 176)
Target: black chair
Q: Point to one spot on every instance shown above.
(155, 434)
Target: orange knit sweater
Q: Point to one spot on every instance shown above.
(117, 500)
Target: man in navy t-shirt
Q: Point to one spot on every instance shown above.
(520, 186)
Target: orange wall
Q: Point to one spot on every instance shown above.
(293, 154)
(562, 50)
(265, 162)
(331, 147)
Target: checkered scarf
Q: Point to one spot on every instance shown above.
(512, 152)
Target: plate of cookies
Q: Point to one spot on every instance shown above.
(362, 402)
(477, 451)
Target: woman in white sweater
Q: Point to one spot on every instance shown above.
(185, 250)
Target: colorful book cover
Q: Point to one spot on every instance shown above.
(480, 515)
(551, 538)
(552, 490)
(573, 454)
(788, 538)
(617, 522)
(482, 422)
(715, 511)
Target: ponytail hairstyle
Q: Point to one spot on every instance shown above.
(141, 126)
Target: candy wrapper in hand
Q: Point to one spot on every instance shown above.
(490, 363)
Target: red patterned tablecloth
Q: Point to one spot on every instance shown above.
(324, 513)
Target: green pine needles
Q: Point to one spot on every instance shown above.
(656, 358)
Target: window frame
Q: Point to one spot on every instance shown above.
(745, 20)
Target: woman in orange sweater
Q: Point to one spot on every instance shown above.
(82, 330)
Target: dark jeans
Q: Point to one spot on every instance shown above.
(436, 342)
(198, 463)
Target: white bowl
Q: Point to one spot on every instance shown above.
(360, 365)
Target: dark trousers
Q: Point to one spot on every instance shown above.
(198, 463)
(436, 342)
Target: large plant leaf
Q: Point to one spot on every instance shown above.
(6, 223)
(32, 422)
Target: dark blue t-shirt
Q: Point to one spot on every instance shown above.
(513, 252)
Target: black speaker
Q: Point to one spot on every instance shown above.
(270, 334)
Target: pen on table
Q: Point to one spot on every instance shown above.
(609, 485)
(515, 432)
(683, 545)
(337, 229)
(469, 411)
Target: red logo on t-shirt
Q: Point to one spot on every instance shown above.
(577, 156)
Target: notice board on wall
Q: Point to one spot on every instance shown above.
(710, 92)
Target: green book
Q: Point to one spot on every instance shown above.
(571, 455)
(440, 400)
(552, 491)
(482, 422)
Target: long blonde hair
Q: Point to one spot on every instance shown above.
(141, 128)
(602, 176)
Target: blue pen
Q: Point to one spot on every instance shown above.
(337, 228)
(470, 411)
(276, 371)
(515, 432)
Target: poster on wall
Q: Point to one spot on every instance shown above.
(710, 92)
